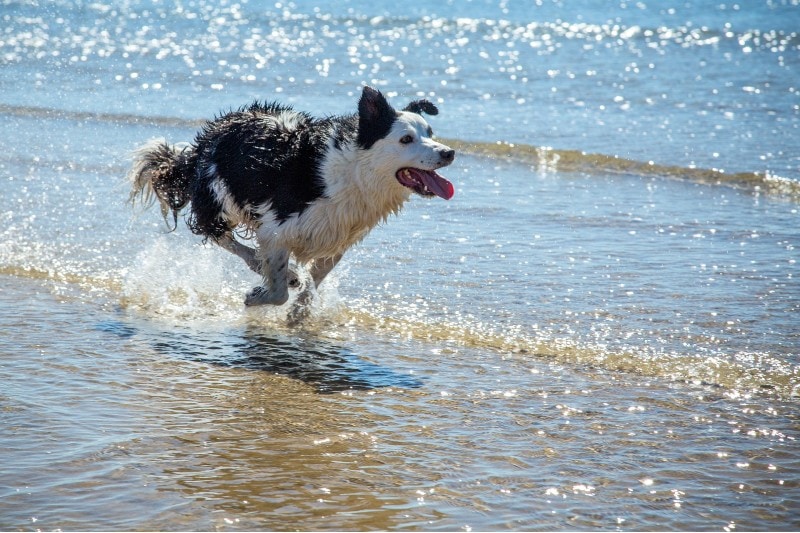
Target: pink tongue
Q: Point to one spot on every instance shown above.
(435, 183)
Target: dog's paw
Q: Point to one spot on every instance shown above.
(293, 280)
(255, 296)
(263, 296)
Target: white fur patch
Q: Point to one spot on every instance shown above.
(361, 192)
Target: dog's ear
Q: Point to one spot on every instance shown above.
(375, 117)
(422, 106)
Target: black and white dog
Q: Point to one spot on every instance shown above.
(302, 187)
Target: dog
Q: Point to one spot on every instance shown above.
(303, 188)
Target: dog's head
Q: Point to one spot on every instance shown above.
(403, 139)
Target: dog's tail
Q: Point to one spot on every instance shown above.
(162, 171)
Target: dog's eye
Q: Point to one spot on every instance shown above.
(407, 139)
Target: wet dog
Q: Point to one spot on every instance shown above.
(303, 188)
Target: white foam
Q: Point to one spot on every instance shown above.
(174, 279)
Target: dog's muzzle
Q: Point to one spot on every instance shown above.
(429, 183)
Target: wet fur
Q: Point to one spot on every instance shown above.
(302, 187)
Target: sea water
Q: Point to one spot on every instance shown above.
(599, 331)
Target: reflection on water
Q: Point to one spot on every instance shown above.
(328, 367)
(124, 422)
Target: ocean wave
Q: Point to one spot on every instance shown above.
(551, 160)
(744, 372)
(543, 158)
(95, 116)
(183, 299)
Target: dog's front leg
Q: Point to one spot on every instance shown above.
(320, 268)
(275, 291)
(248, 254)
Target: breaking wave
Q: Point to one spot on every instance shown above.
(544, 159)
(200, 289)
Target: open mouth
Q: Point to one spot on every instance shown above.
(425, 182)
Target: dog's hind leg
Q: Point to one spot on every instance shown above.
(250, 257)
(301, 310)
(275, 270)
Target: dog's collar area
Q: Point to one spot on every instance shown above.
(425, 182)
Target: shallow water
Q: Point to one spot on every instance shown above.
(598, 332)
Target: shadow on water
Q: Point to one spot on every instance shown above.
(328, 367)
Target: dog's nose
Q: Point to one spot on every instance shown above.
(448, 155)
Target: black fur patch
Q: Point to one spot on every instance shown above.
(262, 153)
(375, 117)
(422, 106)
